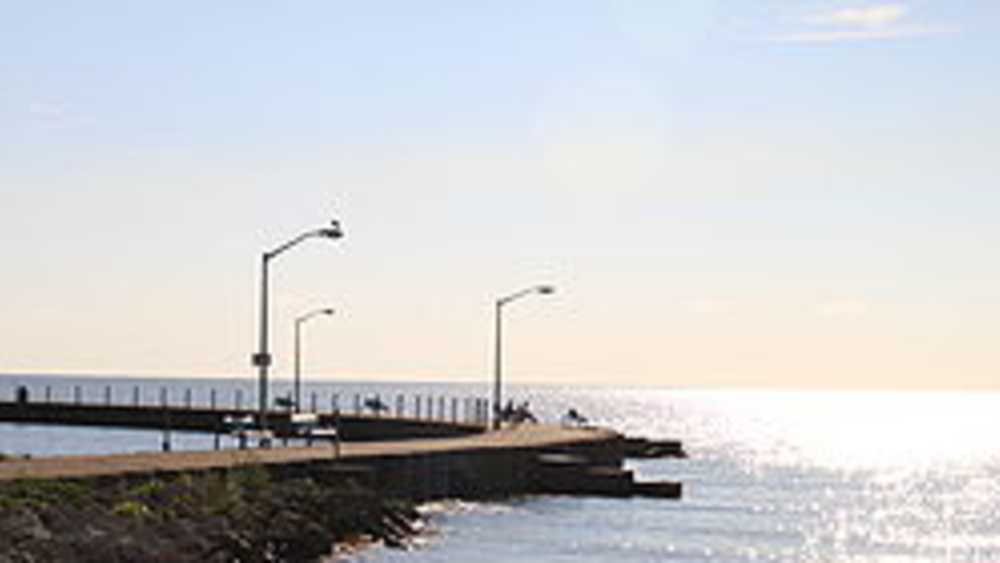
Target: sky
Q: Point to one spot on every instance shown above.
(725, 194)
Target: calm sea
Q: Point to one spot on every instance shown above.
(773, 476)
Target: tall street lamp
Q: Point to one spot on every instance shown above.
(498, 358)
(262, 359)
(298, 352)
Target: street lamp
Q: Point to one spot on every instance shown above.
(262, 359)
(298, 353)
(497, 358)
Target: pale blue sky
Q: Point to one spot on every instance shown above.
(725, 193)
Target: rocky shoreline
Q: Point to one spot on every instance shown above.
(294, 504)
(244, 514)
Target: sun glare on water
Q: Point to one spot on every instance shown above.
(896, 476)
(858, 431)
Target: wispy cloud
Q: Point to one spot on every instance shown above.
(871, 16)
(863, 34)
(867, 23)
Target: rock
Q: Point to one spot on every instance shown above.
(242, 515)
(23, 525)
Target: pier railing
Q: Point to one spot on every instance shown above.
(469, 410)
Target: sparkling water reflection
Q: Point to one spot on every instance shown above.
(774, 476)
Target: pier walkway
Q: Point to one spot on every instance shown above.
(529, 439)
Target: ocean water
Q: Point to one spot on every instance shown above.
(773, 476)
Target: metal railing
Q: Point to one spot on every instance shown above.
(441, 408)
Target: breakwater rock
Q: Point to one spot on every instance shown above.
(242, 514)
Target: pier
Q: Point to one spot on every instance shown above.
(404, 417)
(352, 427)
(514, 443)
(447, 452)
(514, 460)
(296, 500)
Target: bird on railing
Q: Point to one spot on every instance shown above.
(376, 405)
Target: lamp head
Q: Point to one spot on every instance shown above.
(327, 311)
(545, 289)
(333, 231)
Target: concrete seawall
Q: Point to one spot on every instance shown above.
(483, 465)
(483, 471)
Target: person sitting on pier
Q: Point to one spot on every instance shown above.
(523, 414)
(574, 418)
(507, 413)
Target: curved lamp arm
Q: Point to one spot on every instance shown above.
(540, 289)
(311, 314)
(332, 232)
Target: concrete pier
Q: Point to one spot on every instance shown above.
(519, 460)
(496, 463)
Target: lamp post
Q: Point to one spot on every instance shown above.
(262, 359)
(497, 357)
(298, 352)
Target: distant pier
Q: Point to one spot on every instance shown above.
(352, 427)
(402, 417)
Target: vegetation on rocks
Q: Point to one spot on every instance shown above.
(244, 515)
